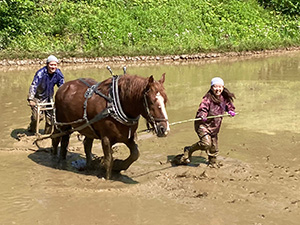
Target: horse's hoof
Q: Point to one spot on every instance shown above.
(118, 165)
(54, 153)
(187, 161)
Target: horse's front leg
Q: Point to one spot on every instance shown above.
(134, 155)
(88, 143)
(108, 159)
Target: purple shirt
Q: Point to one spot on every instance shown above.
(209, 108)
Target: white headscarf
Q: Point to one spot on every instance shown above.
(217, 80)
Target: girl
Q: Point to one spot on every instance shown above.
(216, 101)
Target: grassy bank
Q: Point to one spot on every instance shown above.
(75, 28)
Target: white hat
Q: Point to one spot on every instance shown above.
(217, 80)
(52, 58)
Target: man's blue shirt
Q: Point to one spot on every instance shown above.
(42, 86)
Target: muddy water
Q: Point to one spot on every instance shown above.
(259, 150)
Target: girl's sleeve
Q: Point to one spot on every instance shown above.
(230, 107)
(203, 108)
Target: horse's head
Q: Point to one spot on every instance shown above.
(155, 100)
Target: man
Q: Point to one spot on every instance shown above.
(42, 90)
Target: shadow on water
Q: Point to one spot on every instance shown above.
(195, 160)
(75, 163)
(20, 132)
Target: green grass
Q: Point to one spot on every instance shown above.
(89, 28)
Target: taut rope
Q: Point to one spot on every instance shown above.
(209, 117)
(190, 120)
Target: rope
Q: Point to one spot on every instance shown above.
(189, 120)
(209, 117)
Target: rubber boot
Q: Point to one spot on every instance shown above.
(188, 151)
(212, 161)
(49, 122)
(32, 127)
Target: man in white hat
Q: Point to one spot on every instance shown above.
(42, 90)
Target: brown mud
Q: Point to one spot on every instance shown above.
(263, 188)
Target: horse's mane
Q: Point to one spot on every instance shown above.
(133, 85)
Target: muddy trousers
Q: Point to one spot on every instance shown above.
(48, 114)
(207, 143)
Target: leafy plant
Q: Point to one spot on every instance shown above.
(289, 7)
(91, 28)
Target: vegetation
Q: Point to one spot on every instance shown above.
(289, 7)
(74, 28)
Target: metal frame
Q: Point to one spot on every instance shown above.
(41, 107)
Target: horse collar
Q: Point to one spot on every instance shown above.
(116, 110)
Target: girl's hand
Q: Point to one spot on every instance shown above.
(231, 113)
(204, 118)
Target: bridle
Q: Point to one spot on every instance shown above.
(151, 119)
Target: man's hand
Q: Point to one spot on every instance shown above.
(31, 103)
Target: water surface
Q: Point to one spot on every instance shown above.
(33, 191)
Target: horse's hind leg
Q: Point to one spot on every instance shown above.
(108, 160)
(88, 143)
(55, 143)
(134, 155)
(64, 146)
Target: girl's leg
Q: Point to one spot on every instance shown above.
(203, 144)
(213, 151)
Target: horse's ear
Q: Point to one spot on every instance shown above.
(162, 79)
(150, 79)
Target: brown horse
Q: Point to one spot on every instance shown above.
(109, 111)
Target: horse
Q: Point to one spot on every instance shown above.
(109, 111)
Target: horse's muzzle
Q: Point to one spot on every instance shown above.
(162, 129)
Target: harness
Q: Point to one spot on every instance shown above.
(114, 108)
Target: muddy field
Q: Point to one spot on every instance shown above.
(257, 182)
(263, 188)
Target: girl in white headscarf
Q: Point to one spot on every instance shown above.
(216, 101)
